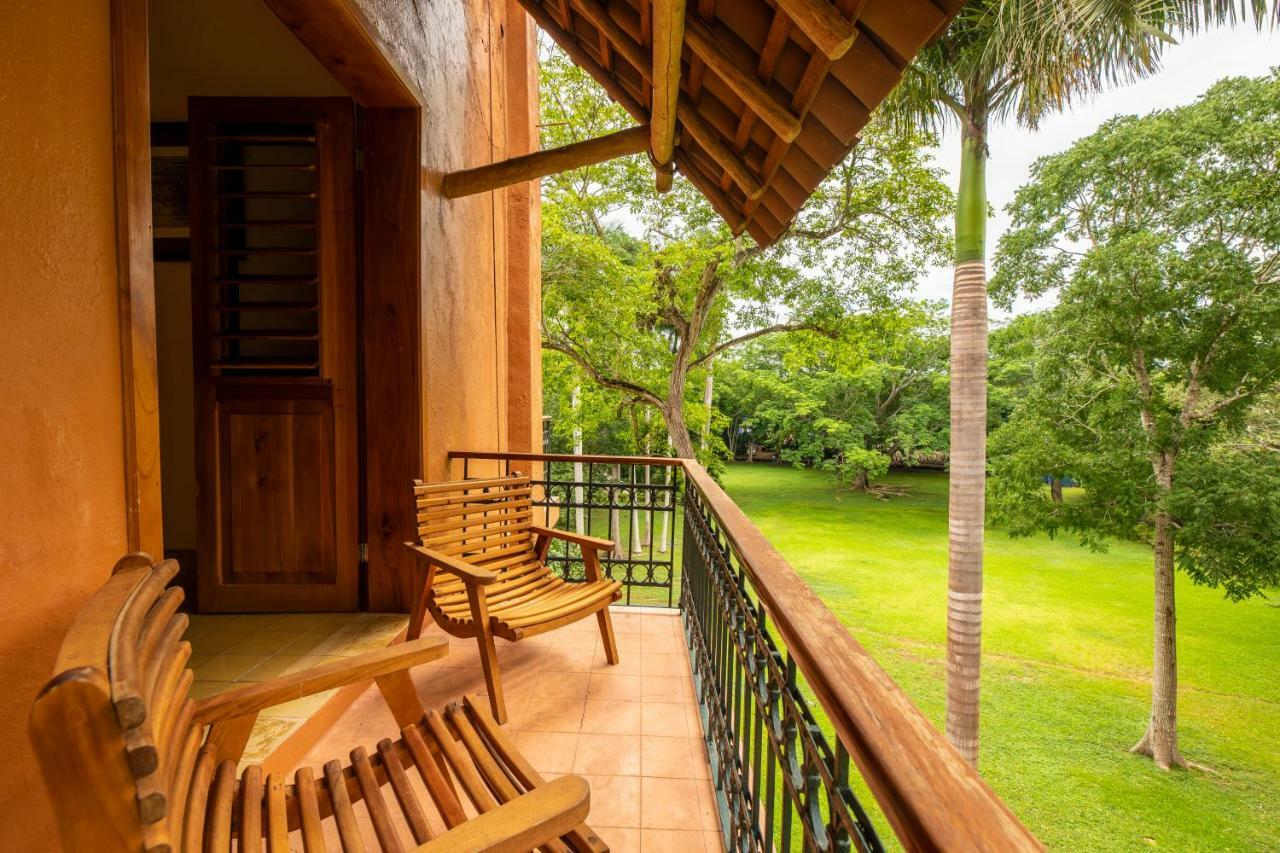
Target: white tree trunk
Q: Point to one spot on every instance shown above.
(579, 513)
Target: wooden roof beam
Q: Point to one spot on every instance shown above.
(743, 82)
(822, 22)
(539, 164)
(668, 44)
(709, 139)
(584, 60)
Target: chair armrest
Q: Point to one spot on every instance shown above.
(576, 538)
(453, 565)
(252, 698)
(528, 821)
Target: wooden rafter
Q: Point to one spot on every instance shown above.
(539, 164)
(668, 45)
(768, 96)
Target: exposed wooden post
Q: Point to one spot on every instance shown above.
(822, 22)
(668, 43)
(745, 85)
(633, 140)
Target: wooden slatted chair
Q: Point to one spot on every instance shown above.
(482, 536)
(133, 763)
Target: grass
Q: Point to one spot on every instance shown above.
(1067, 645)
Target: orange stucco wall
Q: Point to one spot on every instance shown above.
(62, 521)
(459, 62)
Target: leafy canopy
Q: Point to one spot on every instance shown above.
(1161, 236)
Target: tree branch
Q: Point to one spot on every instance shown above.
(598, 377)
(750, 336)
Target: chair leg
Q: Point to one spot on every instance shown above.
(418, 615)
(606, 634)
(488, 653)
(492, 678)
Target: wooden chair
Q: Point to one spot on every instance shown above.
(481, 534)
(133, 763)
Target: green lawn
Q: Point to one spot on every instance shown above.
(1067, 641)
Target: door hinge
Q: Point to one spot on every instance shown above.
(359, 158)
(364, 552)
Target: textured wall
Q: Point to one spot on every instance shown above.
(62, 522)
(456, 53)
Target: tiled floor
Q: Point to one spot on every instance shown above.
(227, 651)
(632, 729)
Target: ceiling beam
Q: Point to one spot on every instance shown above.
(668, 44)
(539, 164)
(822, 22)
(742, 81)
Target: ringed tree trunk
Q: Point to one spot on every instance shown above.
(967, 497)
(1160, 741)
(1055, 489)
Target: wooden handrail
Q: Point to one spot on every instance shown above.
(931, 796)
(668, 461)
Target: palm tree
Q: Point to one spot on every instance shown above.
(1000, 59)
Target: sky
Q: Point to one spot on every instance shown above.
(1189, 69)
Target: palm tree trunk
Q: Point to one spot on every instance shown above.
(967, 500)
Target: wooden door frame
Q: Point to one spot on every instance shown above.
(347, 45)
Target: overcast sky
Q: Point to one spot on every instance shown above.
(1189, 69)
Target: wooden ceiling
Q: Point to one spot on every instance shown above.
(772, 95)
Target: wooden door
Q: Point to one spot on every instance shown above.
(274, 281)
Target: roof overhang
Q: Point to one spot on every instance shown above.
(754, 102)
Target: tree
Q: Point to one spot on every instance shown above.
(1161, 237)
(854, 405)
(644, 315)
(1019, 59)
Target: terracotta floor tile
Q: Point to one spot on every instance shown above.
(548, 752)
(547, 714)
(714, 840)
(612, 717)
(662, 644)
(275, 665)
(668, 719)
(663, 688)
(670, 757)
(671, 840)
(708, 806)
(628, 662)
(566, 659)
(615, 801)
(569, 685)
(665, 663)
(606, 685)
(608, 755)
(621, 839)
(669, 804)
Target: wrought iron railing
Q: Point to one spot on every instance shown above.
(796, 714)
(633, 500)
(762, 643)
(780, 783)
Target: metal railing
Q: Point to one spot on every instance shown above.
(796, 714)
(632, 500)
(780, 784)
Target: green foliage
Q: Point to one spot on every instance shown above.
(851, 404)
(1161, 236)
(643, 291)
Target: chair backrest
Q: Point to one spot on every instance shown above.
(113, 729)
(484, 522)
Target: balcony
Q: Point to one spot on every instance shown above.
(743, 714)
